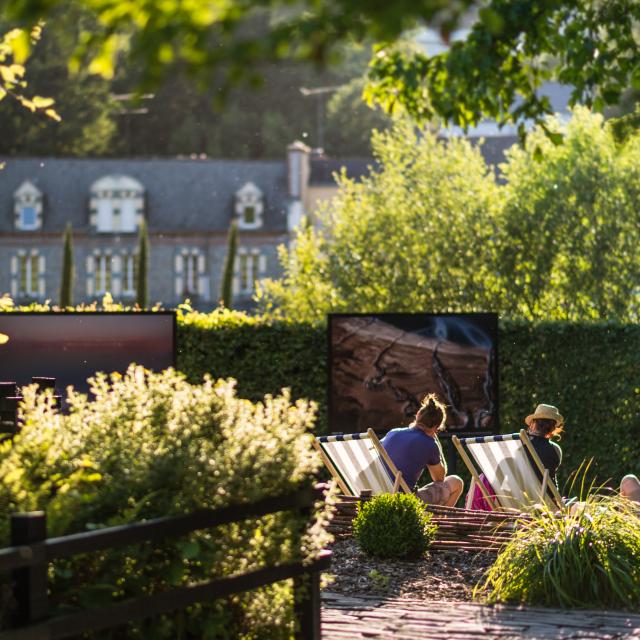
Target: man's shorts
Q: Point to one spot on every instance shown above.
(435, 493)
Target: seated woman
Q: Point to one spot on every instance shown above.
(542, 425)
(417, 447)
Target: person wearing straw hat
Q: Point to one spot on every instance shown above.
(543, 424)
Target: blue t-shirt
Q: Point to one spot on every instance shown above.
(411, 450)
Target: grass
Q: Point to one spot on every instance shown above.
(587, 559)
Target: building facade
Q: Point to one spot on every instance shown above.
(188, 204)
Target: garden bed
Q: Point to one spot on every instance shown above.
(440, 575)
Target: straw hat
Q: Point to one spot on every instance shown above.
(546, 411)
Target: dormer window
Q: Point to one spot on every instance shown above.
(249, 206)
(28, 207)
(116, 204)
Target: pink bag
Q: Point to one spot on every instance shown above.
(478, 501)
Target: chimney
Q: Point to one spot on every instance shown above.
(298, 169)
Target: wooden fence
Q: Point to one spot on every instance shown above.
(31, 552)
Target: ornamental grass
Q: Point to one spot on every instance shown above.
(587, 559)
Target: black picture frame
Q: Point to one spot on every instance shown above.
(122, 347)
(349, 413)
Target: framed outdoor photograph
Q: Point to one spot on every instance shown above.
(73, 346)
(381, 365)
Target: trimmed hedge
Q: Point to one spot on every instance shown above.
(590, 371)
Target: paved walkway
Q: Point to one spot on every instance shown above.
(402, 618)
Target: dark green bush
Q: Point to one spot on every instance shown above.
(394, 526)
(590, 559)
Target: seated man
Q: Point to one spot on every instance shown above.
(417, 446)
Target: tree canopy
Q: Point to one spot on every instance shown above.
(496, 72)
(432, 230)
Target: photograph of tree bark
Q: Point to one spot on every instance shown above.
(382, 365)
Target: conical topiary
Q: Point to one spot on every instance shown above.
(142, 288)
(226, 295)
(66, 284)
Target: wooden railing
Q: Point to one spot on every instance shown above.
(31, 552)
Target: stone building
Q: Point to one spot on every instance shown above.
(188, 204)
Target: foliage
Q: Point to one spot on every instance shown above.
(261, 354)
(514, 46)
(15, 46)
(202, 36)
(431, 230)
(589, 559)
(512, 49)
(418, 233)
(66, 285)
(226, 295)
(150, 445)
(142, 260)
(393, 526)
(83, 101)
(570, 225)
(587, 369)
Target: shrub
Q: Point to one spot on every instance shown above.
(589, 559)
(394, 526)
(152, 445)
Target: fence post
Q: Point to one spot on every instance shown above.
(30, 583)
(307, 605)
(306, 588)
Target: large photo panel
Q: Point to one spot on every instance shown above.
(381, 365)
(73, 346)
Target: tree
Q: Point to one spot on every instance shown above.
(82, 100)
(66, 286)
(514, 46)
(226, 293)
(570, 225)
(431, 230)
(418, 234)
(142, 285)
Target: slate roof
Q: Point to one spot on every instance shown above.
(323, 168)
(181, 194)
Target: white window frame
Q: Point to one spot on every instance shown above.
(249, 197)
(116, 204)
(249, 268)
(190, 274)
(27, 195)
(29, 266)
(103, 273)
(28, 274)
(129, 272)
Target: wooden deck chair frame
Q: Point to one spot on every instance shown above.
(494, 501)
(399, 483)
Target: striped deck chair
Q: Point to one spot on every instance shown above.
(503, 460)
(357, 463)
